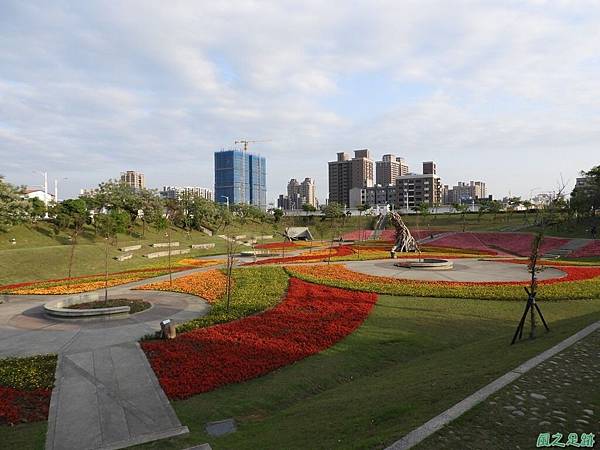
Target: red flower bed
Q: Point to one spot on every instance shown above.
(18, 406)
(310, 319)
(286, 244)
(358, 235)
(574, 273)
(321, 255)
(589, 250)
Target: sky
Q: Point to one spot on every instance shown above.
(505, 92)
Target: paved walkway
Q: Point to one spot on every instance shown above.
(464, 270)
(106, 394)
(567, 249)
(560, 395)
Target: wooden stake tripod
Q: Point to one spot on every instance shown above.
(531, 304)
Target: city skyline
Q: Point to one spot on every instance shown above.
(500, 92)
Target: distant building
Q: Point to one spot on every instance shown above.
(429, 168)
(374, 196)
(134, 179)
(39, 194)
(388, 169)
(464, 192)
(413, 190)
(298, 194)
(346, 173)
(240, 177)
(177, 192)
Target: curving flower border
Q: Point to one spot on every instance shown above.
(309, 320)
(580, 282)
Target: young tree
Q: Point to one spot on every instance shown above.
(162, 223)
(109, 225)
(462, 210)
(71, 215)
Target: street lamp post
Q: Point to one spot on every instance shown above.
(227, 199)
(45, 190)
(56, 189)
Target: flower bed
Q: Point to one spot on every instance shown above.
(357, 235)
(315, 256)
(82, 284)
(309, 320)
(192, 262)
(508, 243)
(589, 250)
(580, 283)
(390, 235)
(208, 285)
(25, 388)
(278, 245)
(465, 241)
(135, 305)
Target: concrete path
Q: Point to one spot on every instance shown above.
(108, 398)
(106, 395)
(567, 249)
(464, 270)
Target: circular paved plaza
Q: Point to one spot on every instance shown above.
(464, 270)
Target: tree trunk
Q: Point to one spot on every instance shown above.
(72, 255)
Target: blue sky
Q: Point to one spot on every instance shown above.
(504, 92)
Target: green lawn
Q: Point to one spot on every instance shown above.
(39, 254)
(411, 359)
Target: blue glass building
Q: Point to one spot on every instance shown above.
(240, 176)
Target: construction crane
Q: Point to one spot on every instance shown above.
(246, 142)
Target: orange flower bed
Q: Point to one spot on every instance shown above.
(199, 262)
(73, 288)
(209, 285)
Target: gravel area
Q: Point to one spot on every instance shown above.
(561, 395)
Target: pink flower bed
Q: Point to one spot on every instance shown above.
(500, 243)
(589, 250)
(519, 243)
(390, 235)
(357, 235)
(467, 241)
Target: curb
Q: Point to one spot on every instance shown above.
(430, 427)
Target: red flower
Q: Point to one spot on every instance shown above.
(310, 319)
(18, 406)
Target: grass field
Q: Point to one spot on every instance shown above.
(39, 254)
(411, 359)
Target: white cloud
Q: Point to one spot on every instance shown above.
(93, 88)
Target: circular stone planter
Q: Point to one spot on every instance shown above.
(60, 308)
(426, 264)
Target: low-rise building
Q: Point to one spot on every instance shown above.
(179, 192)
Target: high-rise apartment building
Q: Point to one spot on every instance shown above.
(307, 192)
(179, 192)
(133, 179)
(389, 168)
(240, 177)
(298, 194)
(413, 190)
(429, 168)
(346, 173)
